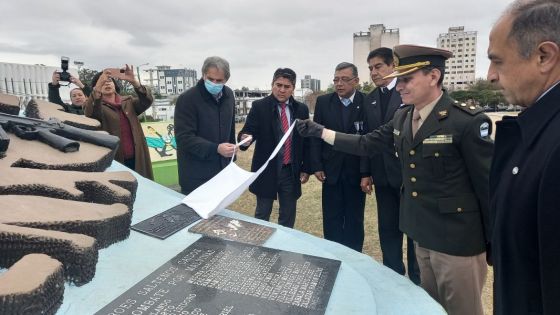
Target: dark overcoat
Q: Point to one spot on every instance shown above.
(525, 203)
(263, 123)
(201, 124)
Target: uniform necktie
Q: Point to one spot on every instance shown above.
(415, 121)
(383, 90)
(285, 126)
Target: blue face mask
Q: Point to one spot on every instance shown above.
(213, 88)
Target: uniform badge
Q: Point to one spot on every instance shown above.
(484, 130)
(396, 132)
(442, 114)
(402, 105)
(374, 102)
(438, 139)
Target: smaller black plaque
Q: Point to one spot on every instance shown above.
(168, 222)
(234, 230)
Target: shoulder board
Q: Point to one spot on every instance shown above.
(470, 109)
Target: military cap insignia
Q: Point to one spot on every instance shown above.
(396, 60)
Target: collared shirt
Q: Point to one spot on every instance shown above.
(288, 113)
(391, 84)
(426, 110)
(545, 92)
(351, 98)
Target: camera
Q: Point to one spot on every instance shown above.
(64, 75)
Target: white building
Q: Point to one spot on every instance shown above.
(29, 81)
(170, 81)
(244, 100)
(364, 42)
(309, 83)
(461, 68)
(163, 110)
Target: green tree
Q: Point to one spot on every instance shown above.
(86, 75)
(366, 87)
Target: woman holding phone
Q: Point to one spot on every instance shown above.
(119, 116)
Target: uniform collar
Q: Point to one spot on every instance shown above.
(391, 84)
(426, 110)
(533, 119)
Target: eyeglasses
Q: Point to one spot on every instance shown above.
(343, 79)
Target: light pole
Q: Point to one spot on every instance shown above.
(138, 71)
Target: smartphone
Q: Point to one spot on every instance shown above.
(116, 73)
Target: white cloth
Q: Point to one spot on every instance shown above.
(224, 188)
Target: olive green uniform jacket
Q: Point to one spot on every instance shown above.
(445, 168)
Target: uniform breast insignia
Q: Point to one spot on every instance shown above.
(438, 139)
(374, 102)
(396, 132)
(484, 130)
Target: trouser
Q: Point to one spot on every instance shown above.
(454, 281)
(286, 198)
(391, 237)
(343, 213)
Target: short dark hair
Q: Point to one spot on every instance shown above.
(285, 73)
(428, 69)
(534, 22)
(96, 78)
(382, 52)
(346, 65)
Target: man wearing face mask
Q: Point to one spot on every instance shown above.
(205, 126)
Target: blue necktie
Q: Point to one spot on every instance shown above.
(346, 101)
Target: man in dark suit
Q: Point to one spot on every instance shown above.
(342, 198)
(384, 169)
(524, 55)
(205, 126)
(445, 151)
(267, 122)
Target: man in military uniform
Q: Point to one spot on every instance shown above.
(445, 152)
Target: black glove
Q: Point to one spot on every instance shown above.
(309, 128)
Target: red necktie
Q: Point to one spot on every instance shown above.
(288, 143)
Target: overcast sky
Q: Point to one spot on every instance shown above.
(256, 37)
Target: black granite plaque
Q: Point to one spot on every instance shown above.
(168, 222)
(215, 276)
(233, 229)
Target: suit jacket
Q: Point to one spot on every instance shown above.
(444, 197)
(263, 123)
(384, 168)
(328, 112)
(201, 124)
(525, 203)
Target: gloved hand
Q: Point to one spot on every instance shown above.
(309, 128)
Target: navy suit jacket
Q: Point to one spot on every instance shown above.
(328, 112)
(384, 168)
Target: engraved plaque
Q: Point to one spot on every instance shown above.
(168, 222)
(215, 276)
(233, 229)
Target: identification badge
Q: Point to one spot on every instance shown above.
(484, 130)
(438, 139)
(396, 132)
